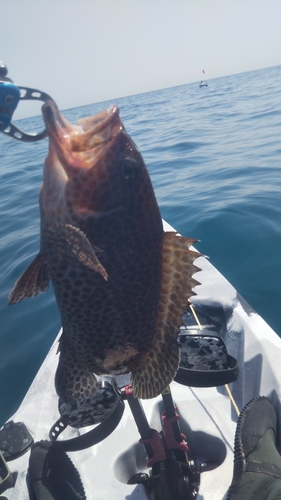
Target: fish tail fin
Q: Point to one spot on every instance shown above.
(73, 381)
(159, 366)
(34, 280)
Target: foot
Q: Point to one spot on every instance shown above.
(52, 474)
(257, 463)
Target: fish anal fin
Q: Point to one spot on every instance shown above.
(71, 242)
(159, 366)
(156, 371)
(34, 280)
(73, 381)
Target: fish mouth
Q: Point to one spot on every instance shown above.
(81, 145)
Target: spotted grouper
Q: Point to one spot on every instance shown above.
(121, 282)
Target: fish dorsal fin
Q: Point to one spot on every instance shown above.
(160, 364)
(34, 280)
(71, 242)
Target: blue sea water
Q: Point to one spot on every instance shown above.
(214, 156)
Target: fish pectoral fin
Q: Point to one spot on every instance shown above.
(157, 370)
(34, 280)
(71, 242)
(159, 366)
(73, 381)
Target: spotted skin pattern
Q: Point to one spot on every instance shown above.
(120, 282)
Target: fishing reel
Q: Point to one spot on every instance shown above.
(10, 95)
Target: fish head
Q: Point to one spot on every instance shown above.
(93, 169)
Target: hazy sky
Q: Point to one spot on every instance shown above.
(85, 51)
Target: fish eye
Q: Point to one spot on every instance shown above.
(130, 168)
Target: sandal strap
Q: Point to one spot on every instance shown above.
(264, 468)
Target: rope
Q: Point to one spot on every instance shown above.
(232, 399)
(225, 385)
(196, 317)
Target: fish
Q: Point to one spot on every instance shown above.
(121, 283)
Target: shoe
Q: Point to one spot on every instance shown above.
(52, 475)
(257, 463)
